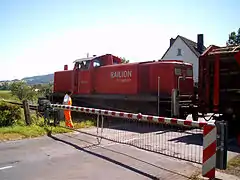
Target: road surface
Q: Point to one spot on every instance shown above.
(79, 156)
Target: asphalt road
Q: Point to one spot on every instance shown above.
(79, 156)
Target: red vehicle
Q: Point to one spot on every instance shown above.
(219, 86)
(105, 82)
(146, 87)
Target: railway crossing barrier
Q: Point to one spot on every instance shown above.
(199, 142)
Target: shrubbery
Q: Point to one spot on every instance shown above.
(9, 114)
(23, 91)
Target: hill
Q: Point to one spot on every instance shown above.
(43, 79)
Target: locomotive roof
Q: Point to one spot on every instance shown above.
(85, 59)
(162, 61)
(175, 62)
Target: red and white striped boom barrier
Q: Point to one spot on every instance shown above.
(209, 131)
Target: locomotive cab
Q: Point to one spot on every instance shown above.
(95, 61)
(84, 71)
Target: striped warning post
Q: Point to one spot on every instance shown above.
(209, 151)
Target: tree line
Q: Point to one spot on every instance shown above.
(23, 91)
(234, 38)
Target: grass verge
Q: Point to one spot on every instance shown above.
(196, 176)
(20, 131)
(233, 166)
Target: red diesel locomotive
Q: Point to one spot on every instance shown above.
(150, 87)
(145, 87)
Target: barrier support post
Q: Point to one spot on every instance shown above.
(27, 112)
(175, 103)
(56, 116)
(209, 151)
(222, 145)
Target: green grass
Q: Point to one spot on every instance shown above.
(7, 95)
(196, 176)
(21, 131)
(234, 162)
(233, 166)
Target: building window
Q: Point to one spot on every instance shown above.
(179, 52)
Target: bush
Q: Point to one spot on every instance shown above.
(23, 91)
(9, 114)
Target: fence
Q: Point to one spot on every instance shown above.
(189, 140)
(26, 107)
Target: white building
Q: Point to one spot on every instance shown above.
(187, 50)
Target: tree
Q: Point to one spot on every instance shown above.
(23, 91)
(46, 89)
(4, 86)
(234, 38)
(124, 60)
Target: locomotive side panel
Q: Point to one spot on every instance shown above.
(116, 79)
(84, 82)
(173, 75)
(183, 76)
(165, 82)
(144, 78)
(63, 81)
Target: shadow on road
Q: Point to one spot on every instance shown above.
(126, 155)
(196, 139)
(101, 156)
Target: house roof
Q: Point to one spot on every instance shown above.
(191, 44)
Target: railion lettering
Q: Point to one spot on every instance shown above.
(121, 74)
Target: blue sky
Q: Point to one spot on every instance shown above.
(39, 37)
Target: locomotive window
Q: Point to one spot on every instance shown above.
(178, 71)
(189, 72)
(96, 63)
(77, 65)
(84, 65)
(115, 62)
